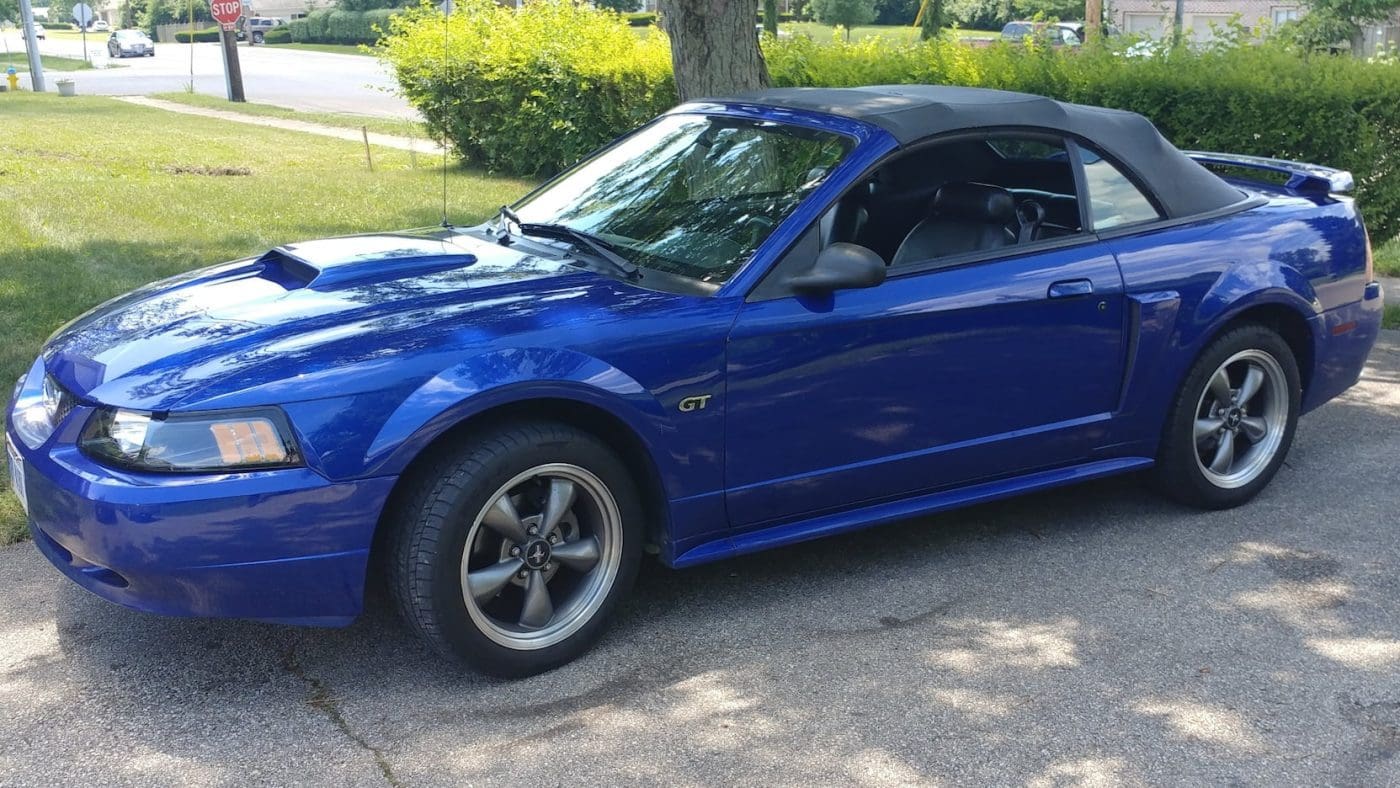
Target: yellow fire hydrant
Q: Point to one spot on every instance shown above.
(13, 76)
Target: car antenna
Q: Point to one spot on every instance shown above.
(446, 62)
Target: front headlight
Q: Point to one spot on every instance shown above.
(236, 440)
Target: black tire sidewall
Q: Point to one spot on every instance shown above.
(1177, 473)
(493, 463)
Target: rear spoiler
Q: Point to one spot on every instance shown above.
(1313, 178)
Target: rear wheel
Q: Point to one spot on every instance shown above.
(510, 553)
(1233, 420)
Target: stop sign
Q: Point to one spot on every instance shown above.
(226, 12)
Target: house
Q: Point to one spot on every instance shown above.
(1154, 18)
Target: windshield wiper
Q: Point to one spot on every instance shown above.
(600, 248)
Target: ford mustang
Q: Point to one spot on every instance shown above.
(755, 320)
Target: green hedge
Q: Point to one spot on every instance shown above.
(533, 91)
(641, 18)
(278, 35)
(57, 26)
(343, 27)
(530, 91)
(207, 34)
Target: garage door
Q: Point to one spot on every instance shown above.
(1152, 25)
(1199, 25)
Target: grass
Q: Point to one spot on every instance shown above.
(84, 222)
(335, 49)
(824, 33)
(1387, 257)
(1391, 316)
(401, 128)
(50, 62)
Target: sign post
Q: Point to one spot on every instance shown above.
(226, 13)
(82, 14)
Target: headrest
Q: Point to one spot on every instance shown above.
(976, 201)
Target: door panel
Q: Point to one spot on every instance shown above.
(926, 381)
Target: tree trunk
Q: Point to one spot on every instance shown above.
(770, 16)
(714, 46)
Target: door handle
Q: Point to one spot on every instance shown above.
(1071, 287)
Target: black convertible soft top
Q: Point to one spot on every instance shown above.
(914, 112)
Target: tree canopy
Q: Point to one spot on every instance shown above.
(846, 13)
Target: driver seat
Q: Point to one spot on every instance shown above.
(965, 217)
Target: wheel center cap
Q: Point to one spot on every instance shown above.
(1232, 419)
(537, 554)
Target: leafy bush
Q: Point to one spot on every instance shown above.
(278, 35)
(57, 26)
(534, 91)
(208, 34)
(640, 18)
(327, 26)
(531, 91)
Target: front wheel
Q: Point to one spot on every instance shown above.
(511, 552)
(1233, 420)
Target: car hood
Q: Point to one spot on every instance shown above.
(306, 311)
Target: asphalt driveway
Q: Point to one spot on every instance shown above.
(1093, 636)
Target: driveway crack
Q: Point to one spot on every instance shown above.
(323, 701)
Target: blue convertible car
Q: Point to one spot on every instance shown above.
(756, 320)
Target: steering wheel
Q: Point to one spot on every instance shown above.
(756, 228)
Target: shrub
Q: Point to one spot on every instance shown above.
(327, 26)
(57, 26)
(532, 91)
(278, 35)
(641, 18)
(208, 34)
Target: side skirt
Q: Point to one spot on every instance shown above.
(893, 511)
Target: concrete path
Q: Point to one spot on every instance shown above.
(418, 145)
(1092, 636)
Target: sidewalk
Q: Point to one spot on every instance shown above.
(353, 135)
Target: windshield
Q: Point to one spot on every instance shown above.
(130, 34)
(691, 195)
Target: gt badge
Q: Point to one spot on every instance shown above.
(695, 403)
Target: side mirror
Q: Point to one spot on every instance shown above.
(841, 266)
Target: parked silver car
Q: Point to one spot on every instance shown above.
(134, 43)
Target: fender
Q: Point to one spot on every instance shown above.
(509, 375)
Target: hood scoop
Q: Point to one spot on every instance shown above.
(336, 263)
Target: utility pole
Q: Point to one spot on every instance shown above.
(31, 44)
(1093, 19)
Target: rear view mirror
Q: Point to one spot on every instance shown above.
(841, 266)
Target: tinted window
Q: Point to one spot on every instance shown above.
(1113, 199)
(692, 195)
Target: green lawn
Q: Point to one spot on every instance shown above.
(401, 128)
(824, 33)
(87, 219)
(336, 49)
(51, 62)
(1387, 257)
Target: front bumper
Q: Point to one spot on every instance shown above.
(287, 546)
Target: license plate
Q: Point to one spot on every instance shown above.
(16, 474)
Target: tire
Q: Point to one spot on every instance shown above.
(448, 530)
(1194, 465)
(258, 38)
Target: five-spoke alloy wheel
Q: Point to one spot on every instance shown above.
(541, 556)
(1233, 420)
(511, 549)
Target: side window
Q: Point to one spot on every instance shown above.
(1113, 199)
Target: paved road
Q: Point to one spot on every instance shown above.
(1090, 636)
(294, 78)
